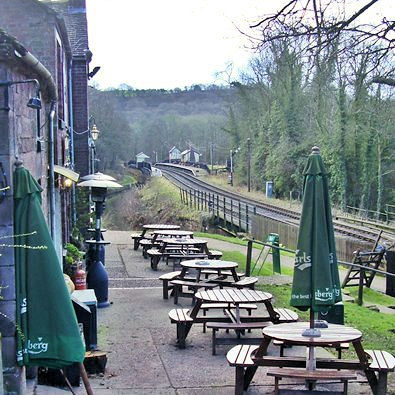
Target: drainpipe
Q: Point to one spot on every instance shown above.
(51, 159)
(44, 75)
(71, 122)
(48, 84)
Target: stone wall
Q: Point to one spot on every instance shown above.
(18, 128)
(33, 25)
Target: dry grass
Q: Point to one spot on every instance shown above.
(157, 202)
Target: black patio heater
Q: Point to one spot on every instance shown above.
(97, 277)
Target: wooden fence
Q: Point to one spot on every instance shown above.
(233, 213)
(262, 226)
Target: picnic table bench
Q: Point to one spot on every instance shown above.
(191, 285)
(281, 316)
(166, 278)
(311, 377)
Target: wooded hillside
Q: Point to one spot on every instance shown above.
(153, 121)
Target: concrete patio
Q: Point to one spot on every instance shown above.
(140, 343)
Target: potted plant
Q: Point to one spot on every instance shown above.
(73, 260)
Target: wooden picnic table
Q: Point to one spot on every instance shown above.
(173, 233)
(160, 227)
(222, 269)
(139, 236)
(247, 359)
(233, 300)
(185, 246)
(234, 297)
(178, 249)
(159, 235)
(209, 264)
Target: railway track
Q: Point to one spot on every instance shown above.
(238, 208)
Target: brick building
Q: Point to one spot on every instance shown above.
(74, 14)
(39, 41)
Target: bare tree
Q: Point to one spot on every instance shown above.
(320, 26)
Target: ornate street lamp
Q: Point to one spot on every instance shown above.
(95, 132)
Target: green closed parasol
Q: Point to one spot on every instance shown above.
(316, 282)
(47, 329)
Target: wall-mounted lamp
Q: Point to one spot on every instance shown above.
(67, 183)
(34, 102)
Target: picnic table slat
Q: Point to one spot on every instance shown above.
(251, 295)
(239, 295)
(229, 297)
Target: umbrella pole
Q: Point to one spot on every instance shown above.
(313, 330)
(85, 379)
(67, 382)
(311, 318)
(311, 360)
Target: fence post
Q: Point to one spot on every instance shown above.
(231, 213)
(190, 197)
(249, 256)
(254, 210)
(194, 198)
(247, 219)
(390, 281)
(224, 201)
(239, 215)
(360, 286)
(181, 195)
(205, 201)
(217, 206)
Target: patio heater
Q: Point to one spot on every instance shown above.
(97, 277)
(97, 177)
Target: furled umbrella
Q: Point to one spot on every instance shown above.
(316, 284)
(47, 330)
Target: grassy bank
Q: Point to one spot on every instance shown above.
(157, 202)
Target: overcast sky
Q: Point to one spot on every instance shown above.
(172, 43)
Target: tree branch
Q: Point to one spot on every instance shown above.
(383, 80)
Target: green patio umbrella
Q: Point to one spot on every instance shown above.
(316, 282)
(47, 329)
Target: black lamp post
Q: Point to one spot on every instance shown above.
(97, 277)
